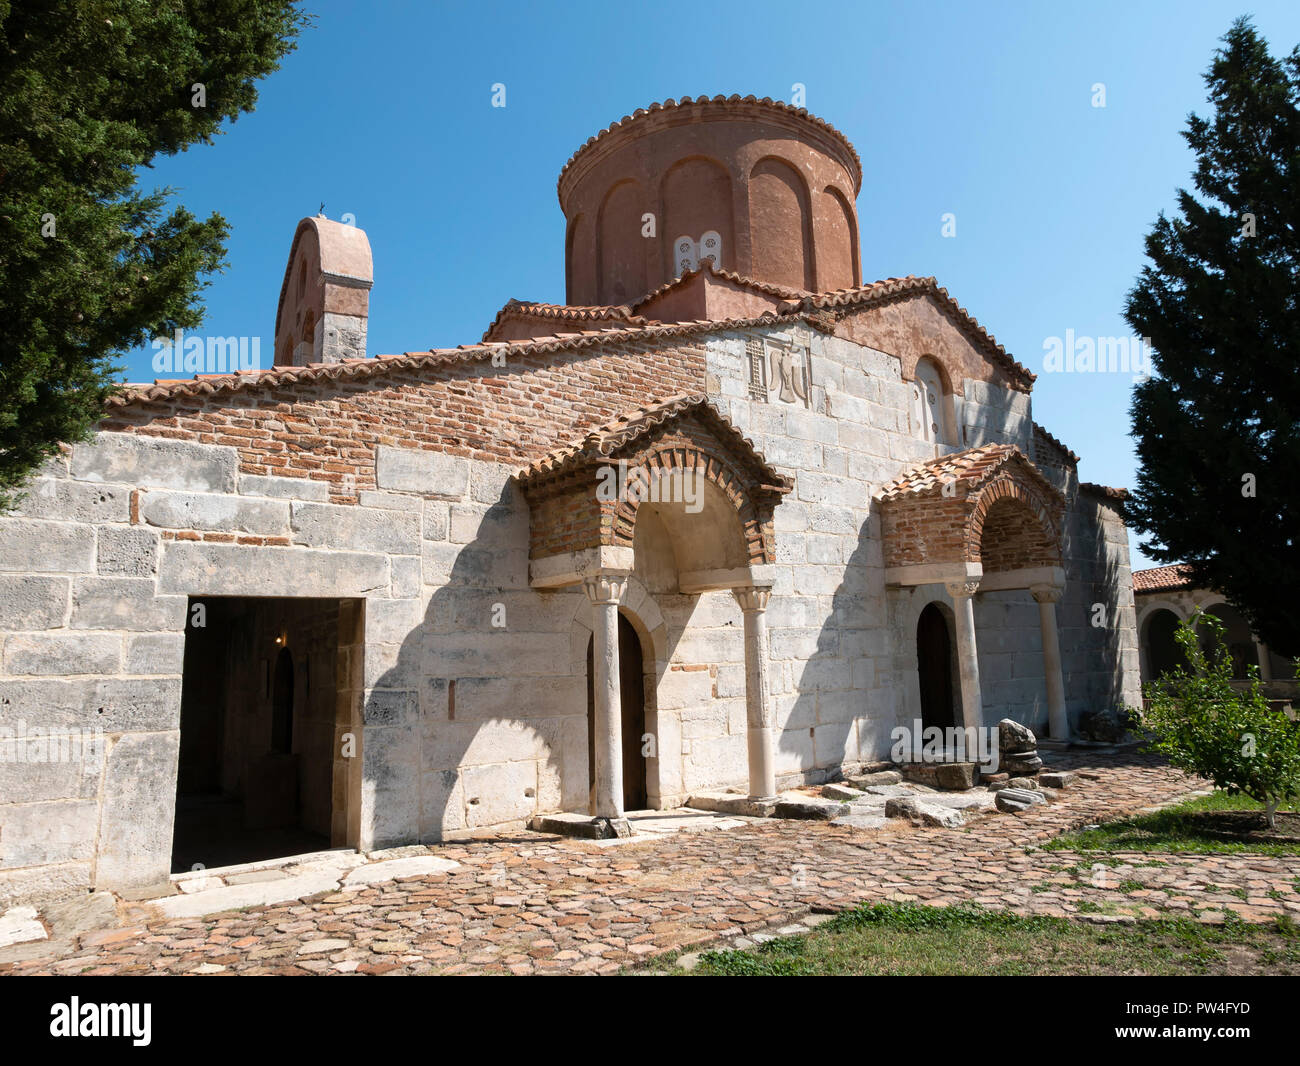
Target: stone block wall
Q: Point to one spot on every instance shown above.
(843, 646)
(465, 685)
(1096, 616)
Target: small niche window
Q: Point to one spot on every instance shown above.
(931, 414)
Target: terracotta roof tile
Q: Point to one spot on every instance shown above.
(1162, 578)
(280, 376)
(686, 101)
(1105, 491)
(599, 443)
(764, 287)
(896, 288)
(616, 314)
(969, 469)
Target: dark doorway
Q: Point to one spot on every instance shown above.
(631, 674)
(934, 663)
(1164, 655)
(258, 705)
(282, 704)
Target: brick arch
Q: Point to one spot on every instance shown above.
(1037, 534)
(681, 453)
(581, 496)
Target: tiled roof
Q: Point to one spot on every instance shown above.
(897, 288)
(357, 369)
(767, 288)
(815, 310)
(969, 469)
(1162, 578)
(1105, 491)
(686, 101)
(1040, 432)
(599, 443)
(616, 314)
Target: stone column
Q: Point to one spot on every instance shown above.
(962, 593)
(1058, 722)
(762, 767)
(605, 591)
(1265, 664)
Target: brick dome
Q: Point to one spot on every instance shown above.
(766, 189)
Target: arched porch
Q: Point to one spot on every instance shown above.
(982, 520)
(673, 491)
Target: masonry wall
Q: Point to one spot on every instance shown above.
(469, 686)
(843, 647)
(325, 490)
(1097, 620)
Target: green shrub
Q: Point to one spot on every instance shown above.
(1205, 726)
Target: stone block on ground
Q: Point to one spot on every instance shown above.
(1015, 800)
(1014, 736)
(902, 807)
(881, 777)
(810, 809)
(19, 925)
(731, 803)
(890, 791)
(1022, 763)
(941, 817)
(841, 792)
(957, 776)
(1056, 778)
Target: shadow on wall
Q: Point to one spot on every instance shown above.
(480, 715)
(843, 698)
(461, 690)
(1097, 628)
(860, 667)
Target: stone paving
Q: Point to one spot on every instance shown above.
(534, 904)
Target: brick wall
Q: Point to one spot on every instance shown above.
(328, 430)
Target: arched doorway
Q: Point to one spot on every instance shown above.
(631, 674)
(1163, 653)
(935, 666)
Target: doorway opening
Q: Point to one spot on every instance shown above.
(631, 673)
(937, 668)
(260, 775)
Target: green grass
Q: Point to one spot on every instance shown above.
(886, 938)
(1176, 828)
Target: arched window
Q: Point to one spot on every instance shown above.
(685, 255)
(930, 416)
(302, 277)
(711, 248)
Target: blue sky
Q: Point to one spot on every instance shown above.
(982, 110)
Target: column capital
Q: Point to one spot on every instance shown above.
(605, 586)
(752, 597)
(962, 589)
(1046, 593)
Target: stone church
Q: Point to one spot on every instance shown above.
(725, 518)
